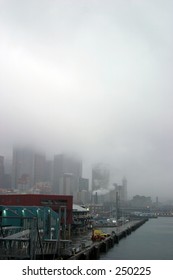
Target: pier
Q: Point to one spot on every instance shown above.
(35, 233)
(95, 249)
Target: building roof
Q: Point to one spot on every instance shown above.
(78, 208)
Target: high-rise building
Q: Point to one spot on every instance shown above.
(7, 181)
(67, 184)
(83, 184)
(49, 171)
(100, 177)
(84, 197)
(22, 168)
(39, 168)
(1, 171)
(121, 190)
(64, 164)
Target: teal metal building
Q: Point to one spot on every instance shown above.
(43, 218)
(29, 232)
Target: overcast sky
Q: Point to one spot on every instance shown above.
(92, 77)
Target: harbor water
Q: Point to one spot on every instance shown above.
(152, 241)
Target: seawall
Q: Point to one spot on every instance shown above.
(94, 251)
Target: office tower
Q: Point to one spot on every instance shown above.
(84, 195)
(67, 184)
(7, 181)
(39, 168)
(83, 184)
(66, 164)
(121, 190)
(49, 171)
(1, 171)
(100, 177)
(22, 168)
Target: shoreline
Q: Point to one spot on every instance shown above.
(93, 251)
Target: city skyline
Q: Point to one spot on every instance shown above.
(68, 165)
(91, 78)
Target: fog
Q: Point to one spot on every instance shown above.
(93, 78)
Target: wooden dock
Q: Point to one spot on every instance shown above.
(96, 248)
(26, 244)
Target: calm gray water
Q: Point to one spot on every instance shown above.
(152, 241)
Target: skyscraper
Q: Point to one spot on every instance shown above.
(100, 177)
(64, 164)
(83, 184)
(67, 184)
(22, 168)
(49, 171)
(39, 168)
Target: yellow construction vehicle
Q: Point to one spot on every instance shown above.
(98, 235)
